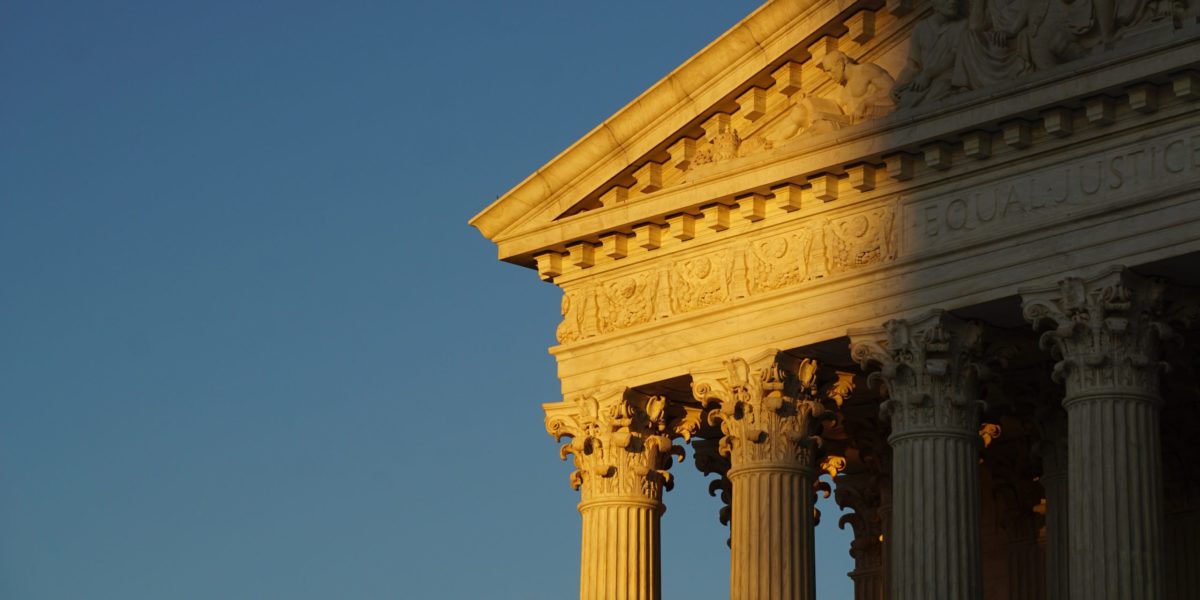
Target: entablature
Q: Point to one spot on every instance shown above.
(902, 151)
(1102, 196)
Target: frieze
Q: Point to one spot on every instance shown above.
(824, 248)
(1044, 195)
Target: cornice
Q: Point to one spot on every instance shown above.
(705, 80)
(901, 136)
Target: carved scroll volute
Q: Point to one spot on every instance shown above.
(1106, 332)
(709, 461)
(860, 494)
(766, 408)
(621, 442)
(931, 368)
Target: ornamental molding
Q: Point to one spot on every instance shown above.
(754, 266)
(768, 409)
(620, 442)
(871, 98)
(1105, 332)
(932, 369)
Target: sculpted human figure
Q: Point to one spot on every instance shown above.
(810, 114)
(935, 41)
(866, 88)
(955, 50)
(1044, 33)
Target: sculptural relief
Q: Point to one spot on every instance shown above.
(723, 145)
(860, 240)
(824, 248)
(810, 114)
(954, 50)
(780, 261)
(981, 43)
(626, 302)
(864, 93)
(699, 282)
(570, 329)
(865, 88)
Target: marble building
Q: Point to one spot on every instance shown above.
(939, 258)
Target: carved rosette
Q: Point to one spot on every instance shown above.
(765, 408)
(1107, 331)
(621, 443)
(931, 368)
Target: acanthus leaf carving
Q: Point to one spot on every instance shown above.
(767, 409)
(710, 461)
(1105, 332)
(620, 442)
(932, 368)
(860, 494)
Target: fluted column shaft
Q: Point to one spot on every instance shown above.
(935, 537)
(766, 410)
(1107, 334)
(619, 559)
(1115, 490)
(771, 533)
(869, 584)
(931, 368)
(863, 493)
(621, 443)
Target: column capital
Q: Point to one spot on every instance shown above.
(765, 406)
(709, 461)
(621, 441)
(931, 368)
(1106, 331)
(861, 493)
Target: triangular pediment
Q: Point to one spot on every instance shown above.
(747, 85)
(814, 97)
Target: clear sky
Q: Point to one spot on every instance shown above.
(249, 347)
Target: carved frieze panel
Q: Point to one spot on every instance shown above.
(780, 261)
(860, 240)
(701, 281)
(823, 248)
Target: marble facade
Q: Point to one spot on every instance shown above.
(944, 252)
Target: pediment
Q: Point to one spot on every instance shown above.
(742, 84)
(791, 84)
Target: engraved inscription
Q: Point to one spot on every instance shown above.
(1045, 194)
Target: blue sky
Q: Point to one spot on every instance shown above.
(250, 348)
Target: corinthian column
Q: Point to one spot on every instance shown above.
(1106, 338)
(930, 370)
(766, 408)
(621, 443)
